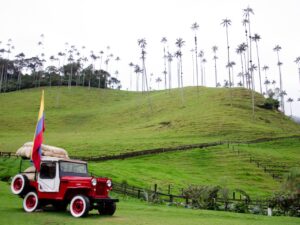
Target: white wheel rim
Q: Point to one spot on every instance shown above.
(78, 206)
(17, 184)
(30, 202)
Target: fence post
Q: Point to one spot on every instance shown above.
(155, 188)
(139, 193)
(186, 200)
(171, 198)
(233, 195)
(169, 189)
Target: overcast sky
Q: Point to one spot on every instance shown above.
(97, 24)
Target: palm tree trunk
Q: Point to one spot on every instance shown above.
(228, 58)
(216, 77)
(242, 69)
(258, 64)
(170, 74)
(165, 66)
(280, 83)
(193, 63)
(1, 78)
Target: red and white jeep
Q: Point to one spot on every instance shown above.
(61, 182)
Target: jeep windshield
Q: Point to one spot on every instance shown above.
(73, 169)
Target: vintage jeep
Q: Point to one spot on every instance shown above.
(61, 182)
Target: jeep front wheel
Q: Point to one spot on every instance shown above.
(31, 202)
(107, 209)
(19, 184)
(79, 206)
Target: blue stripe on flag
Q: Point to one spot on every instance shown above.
(39, 126)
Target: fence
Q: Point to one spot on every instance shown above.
(181, 199)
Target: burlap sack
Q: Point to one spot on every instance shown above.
(47, 150)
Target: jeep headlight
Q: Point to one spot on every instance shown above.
(94, 181)
(108, 183)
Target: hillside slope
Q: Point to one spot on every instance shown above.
(97, 122)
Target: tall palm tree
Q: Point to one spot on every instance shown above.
(164, 41)
(256, 39)
(227, 22)
(201, 55)
(290, 100)
(215, 49)
(193, 63)
(241, 51)
(195, 27)
(247, 13)
(142, 43)
(265, 68)
(204, 75)
(277, 48)
(232, 64)
(137, 70)
(131, 65)
(297, 61)
(170, 59)
(158, 80)
(180, 43)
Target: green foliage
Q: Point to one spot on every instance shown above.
(203, 197)
(271, 103)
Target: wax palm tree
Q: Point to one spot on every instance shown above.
(131, 65)
(215, 49)
(241, 49)
(204, 75)
(290, 100)
(193, 63)
(180, 43)
(256, 39)
(164, 41)
(195, 27)
(201, 55)
(267, 83)
(137, 70)
(232, 64)
(277, 48)
(170, 59)
(158, 80)
(227, 22)
(142, 43)
(265, 68)
(297, 61)
(247, 12)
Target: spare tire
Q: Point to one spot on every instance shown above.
(19, 184)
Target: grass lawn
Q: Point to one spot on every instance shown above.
(104, 122)
(131, 212)
(210, 166)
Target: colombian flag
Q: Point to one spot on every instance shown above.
(36, 152)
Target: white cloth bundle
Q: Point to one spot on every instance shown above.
(47, 150)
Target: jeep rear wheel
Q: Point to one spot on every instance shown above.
(107, 209)
(79, 206)
(31, 202)
(19, 184)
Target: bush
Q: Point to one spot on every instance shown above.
(271, 104)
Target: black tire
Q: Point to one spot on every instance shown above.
(107, 209)
(31, 202)
(79, 206)
(60, 206)
(19, 185)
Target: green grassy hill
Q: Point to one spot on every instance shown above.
(133, 212)
(104, 122)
